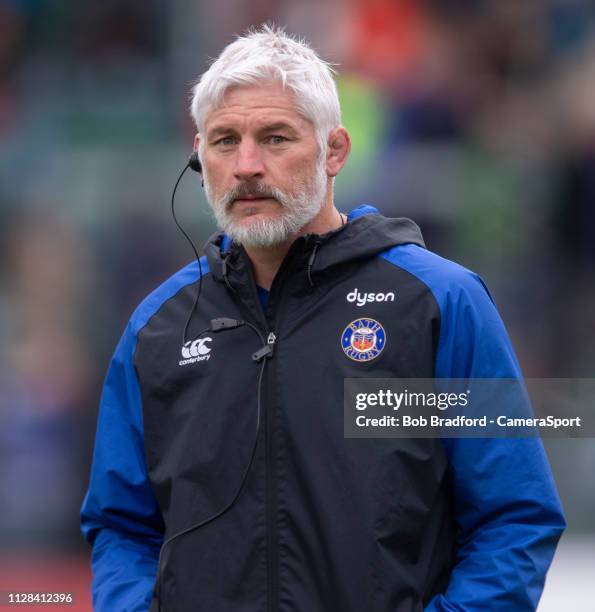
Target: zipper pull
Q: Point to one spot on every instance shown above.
(266, 350)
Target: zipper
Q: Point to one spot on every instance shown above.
(267, 350)
(270, 321)
(272, 531)
(273, 317)
(271, 467)
(272, 536)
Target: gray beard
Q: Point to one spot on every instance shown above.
(297, 210)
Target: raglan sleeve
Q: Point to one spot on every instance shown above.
(506, 505)
(119, 516)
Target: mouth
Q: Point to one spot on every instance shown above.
(251, 198)
(246, 201)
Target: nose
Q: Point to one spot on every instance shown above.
(249, 163)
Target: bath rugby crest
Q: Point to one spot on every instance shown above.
(363, 339)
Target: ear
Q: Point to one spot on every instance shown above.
(338, 149)
(196, 142)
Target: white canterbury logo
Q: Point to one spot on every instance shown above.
(361, 299)
(196, 350)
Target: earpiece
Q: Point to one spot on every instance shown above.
(194, 162)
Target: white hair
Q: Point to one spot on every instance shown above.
(265, 54)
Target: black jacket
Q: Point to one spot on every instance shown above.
(245, 462)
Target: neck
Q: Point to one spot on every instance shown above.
(266, 261)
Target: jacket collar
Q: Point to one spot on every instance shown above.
(366, 234)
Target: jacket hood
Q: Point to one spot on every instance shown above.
(366, 234)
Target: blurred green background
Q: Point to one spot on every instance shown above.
(475, 118)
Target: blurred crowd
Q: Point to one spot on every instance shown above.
(474, 117)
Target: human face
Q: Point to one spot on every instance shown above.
(264, 175)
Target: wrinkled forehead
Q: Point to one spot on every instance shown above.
(262, 101)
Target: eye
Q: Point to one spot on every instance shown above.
(225, 141)
(276, 139)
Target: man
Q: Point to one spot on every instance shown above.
(220, 436)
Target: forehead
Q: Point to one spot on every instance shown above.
(257, 105)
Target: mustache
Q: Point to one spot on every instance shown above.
(250, 189)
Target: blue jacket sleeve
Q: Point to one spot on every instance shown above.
(506, 505)
(119, 516)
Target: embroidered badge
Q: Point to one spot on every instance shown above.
(363, 339)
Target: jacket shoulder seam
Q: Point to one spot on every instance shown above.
(167, 291)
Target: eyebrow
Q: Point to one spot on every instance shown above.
(218, 131)
(270, 127)
(279, 125)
